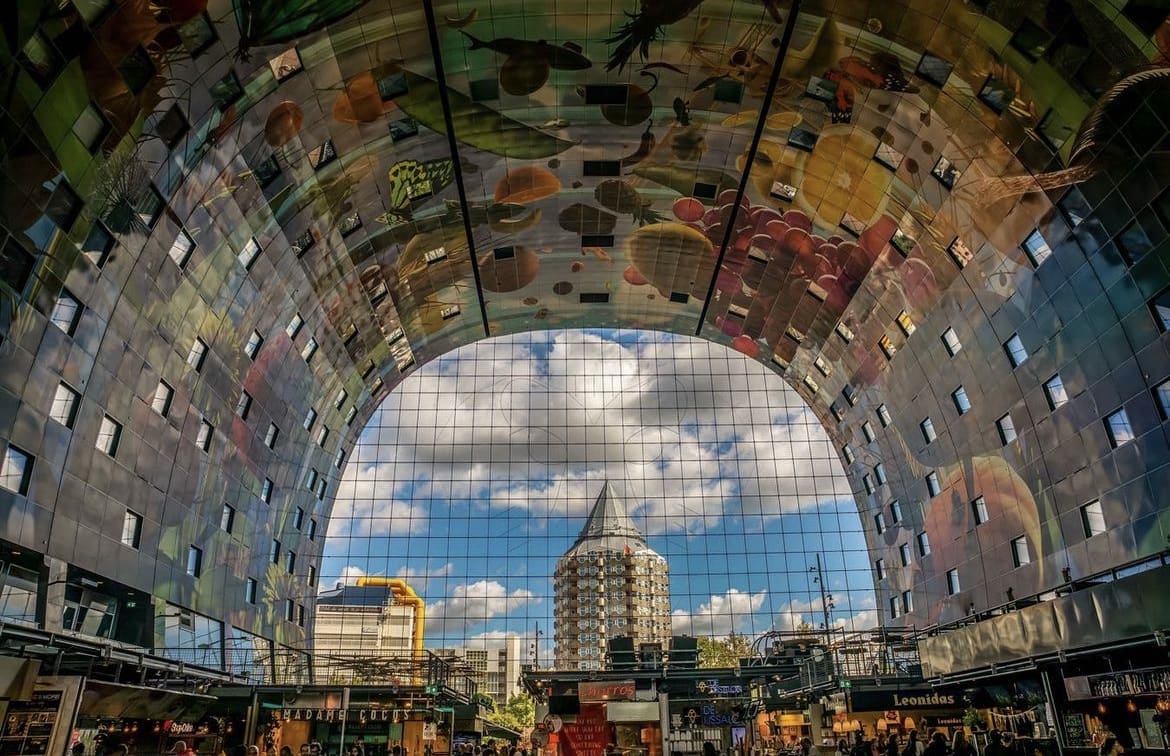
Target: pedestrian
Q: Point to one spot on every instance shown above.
(861, 746)
(995, 746)
(892, 745)
(914, 747)
(78, 749)
(1111, 746)
(805, 746)
(286, 750)
(938, 745)
(709, 749)
(961, 746)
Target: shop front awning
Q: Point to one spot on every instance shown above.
(118, 701)
(499, 731)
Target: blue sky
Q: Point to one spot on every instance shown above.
(478, 472)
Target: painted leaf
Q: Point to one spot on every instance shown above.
(270, 22)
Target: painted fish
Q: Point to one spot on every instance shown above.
(410, 179)
(567, 56)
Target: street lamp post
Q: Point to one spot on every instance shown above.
(826, 597)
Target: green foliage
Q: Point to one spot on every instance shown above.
(724, 652)
(518, 714)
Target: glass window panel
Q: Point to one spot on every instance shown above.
(979, 510)
(163, 396)
(950, 340)
(962, 403)
(1120, 431)
(65, 403)
(109, 434)
(66, 312)
(1093, 519)
(928, 432)
(1015, 350)
(132, 529)
(1054, 390)
(255, 341)
(1007, 429)
(1020, 553)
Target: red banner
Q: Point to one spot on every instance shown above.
(589, 735)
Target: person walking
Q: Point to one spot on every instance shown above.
(938, 745)
(961, 745)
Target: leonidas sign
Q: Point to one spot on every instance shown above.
(907, 698)
(605, 691)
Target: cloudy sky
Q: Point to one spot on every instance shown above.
(478, 471)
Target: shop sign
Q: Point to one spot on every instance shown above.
(910, 698)
(705, 715)
(430, 730)
(717, 688)
(593, 692)
(587, 736)
(344, 715)
(943, 721)
(181, 728)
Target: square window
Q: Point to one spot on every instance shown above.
(923, 544)
(350, 415)
(896, 511)
(962, 403)
(250, 591)
(884, 416)
(979, 510)
(867, 481)
(203, 438)
(303, 243)
(879, 473)
(887, 346)
(904, 554)
(91, 127)
(294, 326)
(952, 582)
(266, 491)
(298, 518)
(132, 529)
(879, 523)
(997, 94)
(1160, 307)
(312, 530)
(181, 249)
(932, 485)
(309, 349)
(339, 458)
(928, 433)
(822, 366)
(16, 471)
(1093, 519)
(838, 411)
(163, 396)
(266, 171)
(311, 479)
(1054, 390)
(950, 340)
(1020, 554)
(946, 172)
(847, 453)
(287, 64)
(197, 355)
(109, 434)
(339, 400)
(322, 436)
(289, 610)
(895, 607)
(252, 348)
(227, 519)
(960, 253)
(879, 568)
(906, 323)
(274, 552)
(194, 561)
(322, 484)
(1162, 394)
(66, 312)
(310, 419)
(271, 435)
(244, 405)
(802, 139)
(907, 602)
(868, 432)
(811, 383)
(1120, 431)
(290, 562)
(845, 332)
(1036, 248)
(172, 127)
(1006, 428)
(249, 253)
(64, 408)
(934, 69)
(1014, 348)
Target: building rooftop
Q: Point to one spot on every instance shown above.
(609, 527)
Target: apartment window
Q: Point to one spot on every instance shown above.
(879, 523)
(322, 436)
(907, 602)
(109, 434)
(1093, 519)
(252, 348)
(1020, 555)
(66, 312)
(249, 253)
(952, 582)
(294, 326)
(206, 431)
(271, 435)
(310, 419)
(850, 394)
(266, 491)
(163, 396)
(197, 354)
(895, 607)
(904, 554)
(927, 427)
(64, 408)
(321, 485)
(301, 615)
(339, 400)
(132, 529)
(227, 519)
(838, 411)
(182, 248)
(847, 453)
(274, 552)
(1006, 428)
(289, 610)
(1054, 390)
(867, 481)
(349, 416)
(950, 340)
(906, 323)
(896, 511)
(1015, 350)
(194, 561)
(312, 576)
(1162, 394)
(312, 530)
(290, 562)
(932, 484)
(250, 591)
(822, 366)
(845, 332)
(309, 350)
(962, 403)
(879, 473)
(867, 431)
(887, 346)
(1120, 431)
(298, 518)
(311, 479)
(884, 416)
(16, 471)
(923, 544)
(879, 567)
(339, 458)
(979, 510)
(1036, 248)
(244, 405)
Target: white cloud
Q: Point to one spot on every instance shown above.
(350, 575)
(420, 579)
(471, 604)
(720, 615)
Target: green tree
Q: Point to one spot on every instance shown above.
(518, 714)
(723, 652)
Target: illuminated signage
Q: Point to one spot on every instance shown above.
(348, 715)
(605, 691)
(717, 688)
